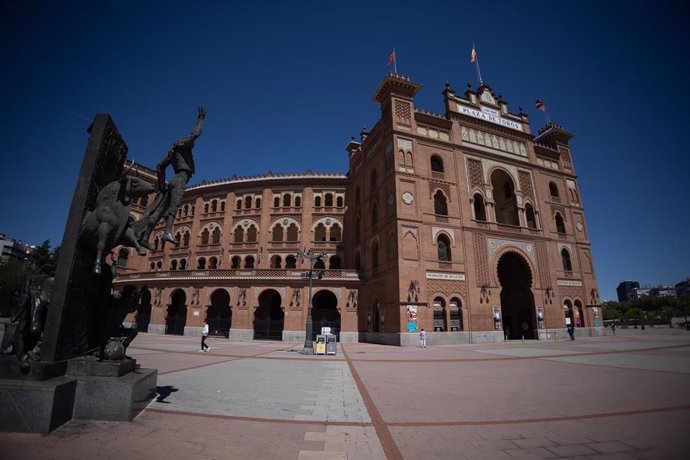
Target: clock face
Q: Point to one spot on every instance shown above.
(579, 226)
(407, 198)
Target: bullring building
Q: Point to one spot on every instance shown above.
(463, 223)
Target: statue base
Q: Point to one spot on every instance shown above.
(29, 406)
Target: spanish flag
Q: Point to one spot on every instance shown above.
(391, 59)
(473, 56)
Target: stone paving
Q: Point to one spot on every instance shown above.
(622, 397)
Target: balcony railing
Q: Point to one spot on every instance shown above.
(239, 273)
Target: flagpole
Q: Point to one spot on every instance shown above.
(476, 61)
(395, 62)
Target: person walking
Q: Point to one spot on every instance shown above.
(422, 338)
(613, 328)
(571, 332)
(204, 334)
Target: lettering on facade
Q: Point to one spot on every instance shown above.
(445, 276)
(569, 283)
(484, 114)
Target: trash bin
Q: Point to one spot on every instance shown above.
(320, 345)
(331, 344)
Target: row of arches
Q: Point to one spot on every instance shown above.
(268, 318)
(236, 262)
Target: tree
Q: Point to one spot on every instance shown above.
(11, 281)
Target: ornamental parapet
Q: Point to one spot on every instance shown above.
(235, 274)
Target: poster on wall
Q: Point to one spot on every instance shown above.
(412, 318)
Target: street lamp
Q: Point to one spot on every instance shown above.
(301, 255)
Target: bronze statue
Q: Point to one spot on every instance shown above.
(170, 193)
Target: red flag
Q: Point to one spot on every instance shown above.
(539, 104)
(391, 58)
(473, 55)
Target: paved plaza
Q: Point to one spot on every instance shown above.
(622, 397)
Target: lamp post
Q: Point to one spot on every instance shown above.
(301, 255)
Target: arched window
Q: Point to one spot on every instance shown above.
(553, 190)
(239, 234)
(298, 201)
(247, 202)
(122, 257)
(328, 200)
(504, 198)
(251, 234)
(185, 210)
(336, 233)
(334, 263)
(440, 204)
(159, 265)
(238, 204)
(436, 164)
(185, 240)
(443, 244)
(205, 208)
(201, 263)
(565, 257)
(173, 264)
(191, 210)
(276, 201)
(183, 264)
(319, 265)
(204, 237)
(287, 200)
(479, 208)
(373, 180)
(320, 233)
(214, 206)
(152, 266)
(440, 315)
(560, 223)
(178, 236)
(374, 214)
(531, 217)
(339, 201)
(235, 262)
(215, 236)
(213, 263)
(375, 254)
(276, 261)
(222, 206)
(257, 203)
(317, 201)
(278, 233)
(144, 201)
(290, 262)
(292, 233)
(249, 262)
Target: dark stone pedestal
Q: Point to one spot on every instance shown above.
(114, 398)
(91, 367)
(29, 406)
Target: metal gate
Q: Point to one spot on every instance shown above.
(268, 329)
(142, 322)
(174, 325)
(219, 327)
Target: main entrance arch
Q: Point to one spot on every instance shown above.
(219, 314)
(517, 300)
(269, 318)
(176, 318)
(324, 313)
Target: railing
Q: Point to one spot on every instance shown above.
(270, 273)
(509, 228)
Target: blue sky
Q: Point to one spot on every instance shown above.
(287, 83)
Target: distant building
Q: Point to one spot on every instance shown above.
(626, 291)
(658, 291)
(683, 288)
(10, 248)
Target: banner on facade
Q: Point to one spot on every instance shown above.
(412, 318)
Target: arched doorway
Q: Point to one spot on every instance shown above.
(517, 301)
(579, 314)
(144, 311)
(440, 324)
(375, 318)
(219, 314)
(324, 313)
(269, 318)
(177, 313)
